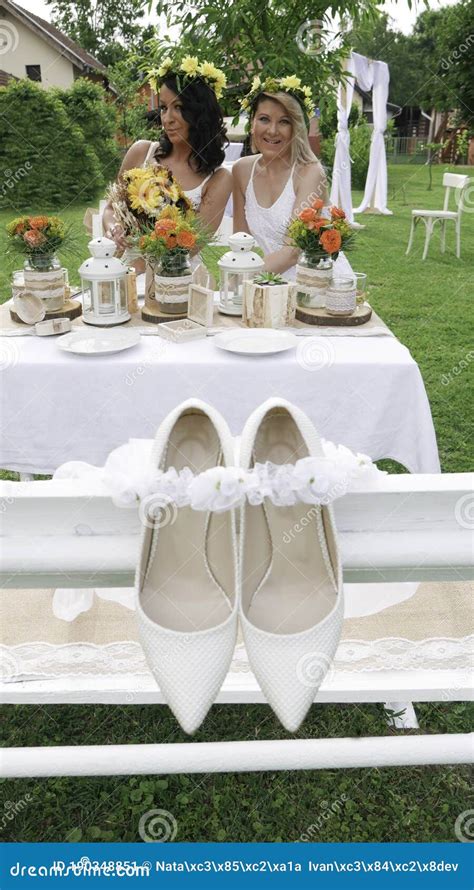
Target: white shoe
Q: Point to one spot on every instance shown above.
(186, 582)
(291, 598)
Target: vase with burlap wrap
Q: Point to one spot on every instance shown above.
(45, 278)
(172, 279)
(313, 276)
(267, 305)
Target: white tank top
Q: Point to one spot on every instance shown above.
(194, 195)
(268, 224)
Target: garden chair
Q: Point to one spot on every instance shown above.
(430, 217)
(398, 528)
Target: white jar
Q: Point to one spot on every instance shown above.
(341, 296)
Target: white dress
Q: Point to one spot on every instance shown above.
(268, 225)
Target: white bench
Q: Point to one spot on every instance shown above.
(395, 528)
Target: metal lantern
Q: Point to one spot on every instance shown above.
(238, 265)
(104, 288)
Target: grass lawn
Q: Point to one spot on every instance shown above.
(427, 305)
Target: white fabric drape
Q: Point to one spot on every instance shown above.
(375, 194)
(368, 75)
(341, 173)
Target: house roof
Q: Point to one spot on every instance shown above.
(67, 47)
(5, 77)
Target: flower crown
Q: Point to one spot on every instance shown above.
(290, 84)
(189, 68)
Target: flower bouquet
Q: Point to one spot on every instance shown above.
(37, 239)
(141, 194)
(320, 239)
(167, 247)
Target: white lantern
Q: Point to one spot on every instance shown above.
(239, 264)
(104, 288)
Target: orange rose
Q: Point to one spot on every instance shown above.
(163, 226)
(21, 227)
(34, 238)
(337, 213)
(317, 223)
(318, 204)
(331, 241)
(186, 239)
(170, 241)
(307, 215)
(38, 222)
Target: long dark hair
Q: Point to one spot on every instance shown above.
(207, 135)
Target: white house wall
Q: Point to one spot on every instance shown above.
(30, 49)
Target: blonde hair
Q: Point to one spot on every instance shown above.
(301, 151)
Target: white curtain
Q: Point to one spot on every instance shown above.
(341, 174)
(375, 194)
(373, 76)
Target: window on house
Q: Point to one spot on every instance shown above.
(34, 72)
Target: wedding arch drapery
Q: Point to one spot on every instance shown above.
(369, 75)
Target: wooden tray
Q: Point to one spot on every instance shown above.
(71, 309)
(156, 316)
(361, 315)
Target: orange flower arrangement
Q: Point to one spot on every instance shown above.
(34, 238)
(319, 236)
(174, 234)
(38, 235)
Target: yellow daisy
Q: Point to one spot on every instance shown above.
(190, 65)
(291, 82)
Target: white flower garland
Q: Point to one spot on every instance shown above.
(311, 480)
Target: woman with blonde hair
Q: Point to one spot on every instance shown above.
(285, 177)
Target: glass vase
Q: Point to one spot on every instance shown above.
(172, 279)
(45, 278)
(313, 276)
(341, 296)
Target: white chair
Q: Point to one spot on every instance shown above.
(430, 217)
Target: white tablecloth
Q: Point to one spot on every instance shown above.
(366, 393)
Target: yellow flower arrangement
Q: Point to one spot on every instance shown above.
(142, 194)
(289, 84)
(187, 69)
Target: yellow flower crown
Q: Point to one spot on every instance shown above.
(188, 69)
(290, 84)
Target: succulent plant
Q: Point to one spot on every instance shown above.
(269, 278)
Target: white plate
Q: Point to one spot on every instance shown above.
(261, 341)
(94, 342)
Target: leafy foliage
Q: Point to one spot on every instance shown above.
(244, 37)
(105, 28)
(86, 105)
(361, 135)
(37, 131)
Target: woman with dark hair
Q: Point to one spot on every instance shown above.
(191, 143)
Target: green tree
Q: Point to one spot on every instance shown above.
(39, 137)
(105, 28)
(87, 106)
(377, 39)
(243, 36)
(444, 39)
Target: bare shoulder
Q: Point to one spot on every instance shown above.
(137, 153)
(222, 175)
(313, 172)
(242, 169)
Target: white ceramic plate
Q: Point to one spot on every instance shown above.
(261, 341)
(96, 342)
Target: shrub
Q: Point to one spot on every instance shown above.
(39, 138)
(361, 135)
(87, 107)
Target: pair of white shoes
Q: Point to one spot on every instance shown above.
(194, 583)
